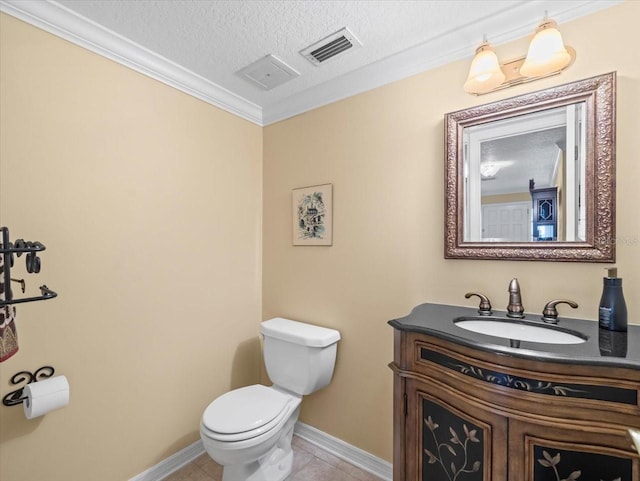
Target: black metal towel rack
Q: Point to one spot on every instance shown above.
(19, 247)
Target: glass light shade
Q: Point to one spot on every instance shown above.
(489, 170)
(546, 53)
(485, 73)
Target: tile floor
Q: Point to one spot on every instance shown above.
(310, 463)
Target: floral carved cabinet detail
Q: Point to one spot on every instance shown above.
(453, 449)
(466, 415)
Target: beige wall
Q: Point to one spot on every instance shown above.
(506, 198)
(383, 152)
(149, 203)
(112, 170)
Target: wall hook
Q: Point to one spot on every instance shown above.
(16, 397)
(33, 265)
(23, 284)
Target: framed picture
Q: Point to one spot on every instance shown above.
(313, 215)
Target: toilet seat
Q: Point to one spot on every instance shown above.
(246, 413)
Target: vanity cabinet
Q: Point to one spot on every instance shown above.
(468, 414)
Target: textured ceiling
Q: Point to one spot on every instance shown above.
(217, 38)
(213, 39)
(526, 156)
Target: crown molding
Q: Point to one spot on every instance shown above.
(58, 20)
(452, 46)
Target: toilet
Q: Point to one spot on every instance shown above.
(248, 430)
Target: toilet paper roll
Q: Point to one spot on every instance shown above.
(45, 396)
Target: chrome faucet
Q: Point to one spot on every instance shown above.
(515, 308)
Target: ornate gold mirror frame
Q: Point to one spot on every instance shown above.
(599, 95)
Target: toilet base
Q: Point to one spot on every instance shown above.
(276, 465)
(256, 472)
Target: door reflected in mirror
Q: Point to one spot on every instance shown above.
(525, 177)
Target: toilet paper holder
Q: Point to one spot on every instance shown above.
(17, 397)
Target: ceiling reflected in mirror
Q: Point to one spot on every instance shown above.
(505, 162)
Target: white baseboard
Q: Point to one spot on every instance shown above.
(171, 464)
(345, 451)
(335, 446)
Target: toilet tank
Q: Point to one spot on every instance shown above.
(299, 357)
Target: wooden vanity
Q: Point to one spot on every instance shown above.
(469, 407)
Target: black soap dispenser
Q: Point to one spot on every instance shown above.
(612, 314)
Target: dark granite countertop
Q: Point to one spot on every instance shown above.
(602, 347)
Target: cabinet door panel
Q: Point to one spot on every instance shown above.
(551, 463)
(452, 440)
(573, 454)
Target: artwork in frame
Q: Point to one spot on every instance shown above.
(313, 215)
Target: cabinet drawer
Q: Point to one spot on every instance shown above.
(552, 390)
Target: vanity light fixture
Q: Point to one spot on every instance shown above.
(547, 55)
(485, 73)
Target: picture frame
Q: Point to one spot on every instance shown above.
(312, 215)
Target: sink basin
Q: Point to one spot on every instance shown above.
(520, 330)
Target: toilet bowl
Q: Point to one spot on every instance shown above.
(249, 430)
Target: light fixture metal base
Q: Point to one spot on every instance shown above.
(511, 70)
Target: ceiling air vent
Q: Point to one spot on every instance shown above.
(331, 46)
(268, 72)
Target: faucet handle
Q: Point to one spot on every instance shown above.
(484, 309)
(550, 313)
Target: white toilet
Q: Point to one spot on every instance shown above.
(248, 430)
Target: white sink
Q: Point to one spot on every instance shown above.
(520, 330)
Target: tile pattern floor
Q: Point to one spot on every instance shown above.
(310, 463)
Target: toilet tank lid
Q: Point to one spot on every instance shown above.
(299, 332)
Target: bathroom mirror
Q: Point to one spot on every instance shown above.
(533, 177)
